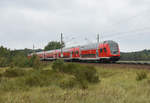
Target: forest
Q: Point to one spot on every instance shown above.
(143, 55)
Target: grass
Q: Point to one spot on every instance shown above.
(118, 85)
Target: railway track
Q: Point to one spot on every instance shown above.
(121, 64)
(125, 62)
(134, 62)
(118, 62)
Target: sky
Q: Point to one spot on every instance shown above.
(27, 22)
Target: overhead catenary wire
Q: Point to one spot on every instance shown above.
(125, 32)
(130, 34)
(125, 20)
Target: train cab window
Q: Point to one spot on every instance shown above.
(105, 50)
(101, 50)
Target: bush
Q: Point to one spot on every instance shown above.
(13, 72)
(88, 73)
(19, 61)
(8, 84)
(3, 62)
(71, 68)
(40, 78)
(141, 75)
(34, 62)
(30, 78)
(83, 74)
(58, 65)
(68, 83)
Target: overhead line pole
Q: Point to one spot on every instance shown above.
(33, 49)
(61, 45)
(97, 38)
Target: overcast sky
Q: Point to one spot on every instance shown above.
(27, 22)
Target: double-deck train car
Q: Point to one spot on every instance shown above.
(105, 51)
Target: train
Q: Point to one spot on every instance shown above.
(106, 51)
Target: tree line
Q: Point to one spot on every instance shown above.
(19, 57)
(143, 55)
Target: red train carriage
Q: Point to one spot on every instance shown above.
(89, 52)
(76, 53)
(106, 51)
(49, 55)
(67, 53)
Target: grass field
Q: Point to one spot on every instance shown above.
(118, 84)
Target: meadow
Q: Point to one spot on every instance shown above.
(117, 84)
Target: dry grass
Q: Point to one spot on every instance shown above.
(117, 85)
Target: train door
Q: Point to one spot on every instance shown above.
(102, 50)
(73, 53)
(77, 53)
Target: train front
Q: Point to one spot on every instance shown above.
(114, 50)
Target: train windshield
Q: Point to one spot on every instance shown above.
(113, 47)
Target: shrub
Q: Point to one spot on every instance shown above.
(83, 74)
(68, 83)
(83, 84)
(34, 62)
(40, 78)
(19, 61)
(31, 78)
(13, 72)
(35, 79)
(58, 65)
(87, 73)
(8, 84)
(141, 75)
(71, 68)
(3, 62)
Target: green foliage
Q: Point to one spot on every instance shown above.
(83, 74)
(141, 75)
(35, 62)
(4, 52)
(36, 79)
(18, 58)
(68, 82)
(118, 86)
(58, 65)
(54, 45)
(88, 73)
(3, 62)
(4, 56)
(20, 61)
(134, 56)
(13, 72)
(21, 79)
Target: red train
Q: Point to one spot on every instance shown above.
(107, 51)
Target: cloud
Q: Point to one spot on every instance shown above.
(27, 22)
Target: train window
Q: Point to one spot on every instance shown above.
(105, 50)
(88, 55)
(101, 50)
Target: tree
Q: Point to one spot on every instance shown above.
(54, 45)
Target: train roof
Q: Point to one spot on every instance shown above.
(89, 46)
(109, 41)
(84, 47)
